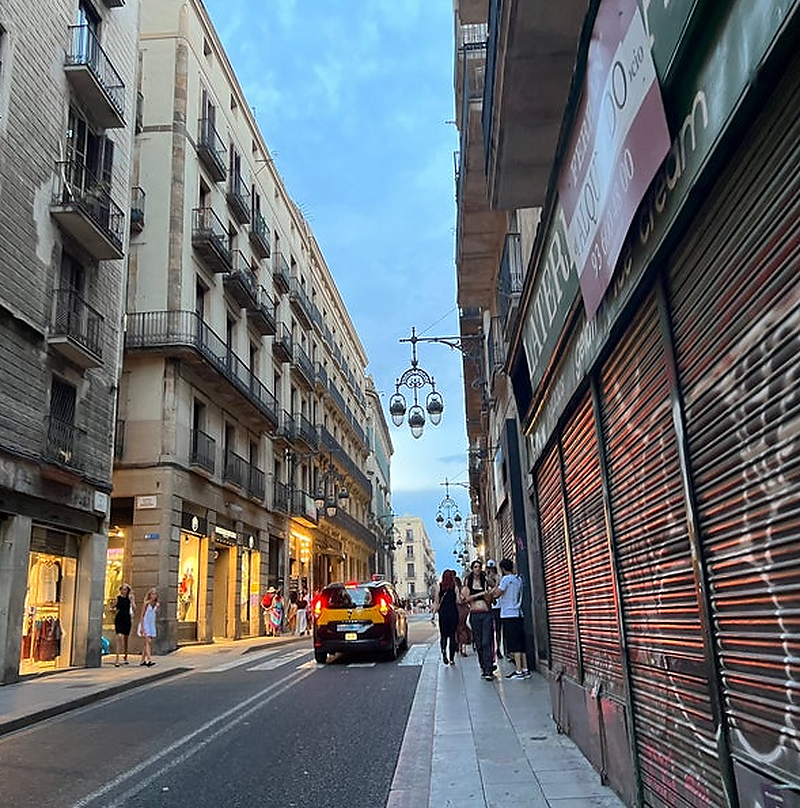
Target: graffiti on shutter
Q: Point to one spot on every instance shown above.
(673, 724)
(740, 375)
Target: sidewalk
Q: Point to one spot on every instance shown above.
(474, 743)
(467, 742)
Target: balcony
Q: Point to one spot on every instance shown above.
(286, 427)
(262, 315)
(352, 527)
(256, 483)
(137, 209)
(203, 452)
(210, 240)
(259, 236)
(510, 279)
(304, 508)
(241, 283)
(77, 330)
(94, 80)
(83, 208)
(301, 305)
(305, 432)
(320, 377)
(62, 444)
(211, 149)
(330, 445)
(235, 469)
(281, 274)
(530, 62)
(280, 497)
(238, 198)
(303, 367)
(282, 344)
(183, 334)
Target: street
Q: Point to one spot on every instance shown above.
(266, 728)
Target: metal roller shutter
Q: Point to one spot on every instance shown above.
(594, 590)
(506, 532)
(557, 580)
(736, 299)
(674, 729)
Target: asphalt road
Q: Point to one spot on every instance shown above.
(273, 729)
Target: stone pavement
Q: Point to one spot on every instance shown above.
(467, 742)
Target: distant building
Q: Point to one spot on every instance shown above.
(67, 117)
(242, 409)
(414, 560)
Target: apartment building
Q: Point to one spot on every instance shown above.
(627, 252)
(414, 561)
(241, 442)
(67, 117)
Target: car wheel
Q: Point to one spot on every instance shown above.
(392, 653)
(321, 657)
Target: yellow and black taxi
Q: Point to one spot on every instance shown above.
(359, 617)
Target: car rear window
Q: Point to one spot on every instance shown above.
(350, 597)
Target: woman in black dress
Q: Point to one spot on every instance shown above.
(125, 607)
(444, 602)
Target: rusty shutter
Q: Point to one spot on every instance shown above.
(598, 627)
(675, 737)
(557, 582)
(736, 298)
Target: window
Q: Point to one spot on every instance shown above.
(410, 551)
(61, 423)
(410, 571)
(89, 156)
(409, 534)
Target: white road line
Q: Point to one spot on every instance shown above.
(258, 700)
(415, 655)
(276, 662)
(243, 659)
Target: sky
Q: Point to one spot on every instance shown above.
(355, 101)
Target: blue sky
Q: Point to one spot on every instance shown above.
(355, 101)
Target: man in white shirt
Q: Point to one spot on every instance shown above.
(509, 593)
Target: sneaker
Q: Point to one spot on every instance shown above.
(489, 677)
(526, 674)
(515, 675)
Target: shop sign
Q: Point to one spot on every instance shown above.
(703, 109)
(192, 523)
(225, 534)
(152, 535)
(147, 503)
(619, 140)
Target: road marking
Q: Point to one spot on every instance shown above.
(360, 664)
(276, 662)
(414, 656)
(226, 722)
(244, 659)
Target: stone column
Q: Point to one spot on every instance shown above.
(15, 544)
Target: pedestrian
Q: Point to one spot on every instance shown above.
(445, 604)
(125, 608)
(476, 594)
(509, 593)
(147, 627)
(291, 612)
(276, 614)
(302, 612)
(463, 631)
(266, 605)
(493, 577)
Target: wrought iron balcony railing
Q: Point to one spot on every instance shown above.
(211, 149)
(203, 451)
(260, 236)
(77, 328)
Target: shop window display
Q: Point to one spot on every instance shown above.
(47, 615)
(187, 579)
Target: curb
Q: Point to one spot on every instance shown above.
(90, 698)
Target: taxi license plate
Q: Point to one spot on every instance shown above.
(351, 635)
